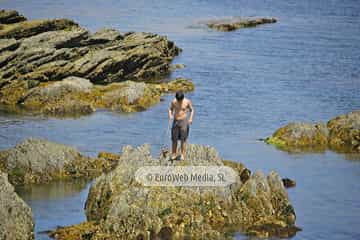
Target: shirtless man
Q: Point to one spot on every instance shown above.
(181, 125)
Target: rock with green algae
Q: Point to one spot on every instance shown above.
(344, 132)
(121, 208)
(234, 23)
(39, 161)
(16, 217)
(341, 134)
(74, 96)
(300, 136)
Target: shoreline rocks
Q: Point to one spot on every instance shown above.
(118, 207)
(16, 216)
(38, 54)
(341, 134)
(232, 24)
(78, 96)
(40, 161)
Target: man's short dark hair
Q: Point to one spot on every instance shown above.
(179, 96)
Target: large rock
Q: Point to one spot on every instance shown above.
(300, 136)
(341, 134)
(16, 217)
(54, 49)
(231, 24)
(344, 132)
(60, 88)
(118, 207)
(39, 161)
(46, 51)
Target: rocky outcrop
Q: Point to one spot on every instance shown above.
(344, 132)
(300, 136)
(119, 207)
(16, 216)
(37, 53)
(341, 134)
(231, 24)
(39, 161)
(51, 50)
(77, 96)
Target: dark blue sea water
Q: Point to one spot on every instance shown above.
(249, 82)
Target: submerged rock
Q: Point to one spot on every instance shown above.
(341, 134)
(39, 161)
(118, 207)
(231, 24)
(37, 55)
(16, 216)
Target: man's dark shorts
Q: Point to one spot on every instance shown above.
(180, 130)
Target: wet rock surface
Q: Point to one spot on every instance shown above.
(39, 161)
(231, 24)
(16, 216)
(118, 207)
(341, 134)
(39, 53)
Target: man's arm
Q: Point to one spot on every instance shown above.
(170, 112)
(192, 111)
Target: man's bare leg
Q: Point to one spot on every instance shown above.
(183, 149)
(174, 148)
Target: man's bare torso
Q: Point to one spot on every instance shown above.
(180, 108)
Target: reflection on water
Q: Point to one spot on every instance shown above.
(52, 190)
(55, 204)
(248, 83)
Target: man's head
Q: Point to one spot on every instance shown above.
(179, 96)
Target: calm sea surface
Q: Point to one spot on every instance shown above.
(249, 82)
